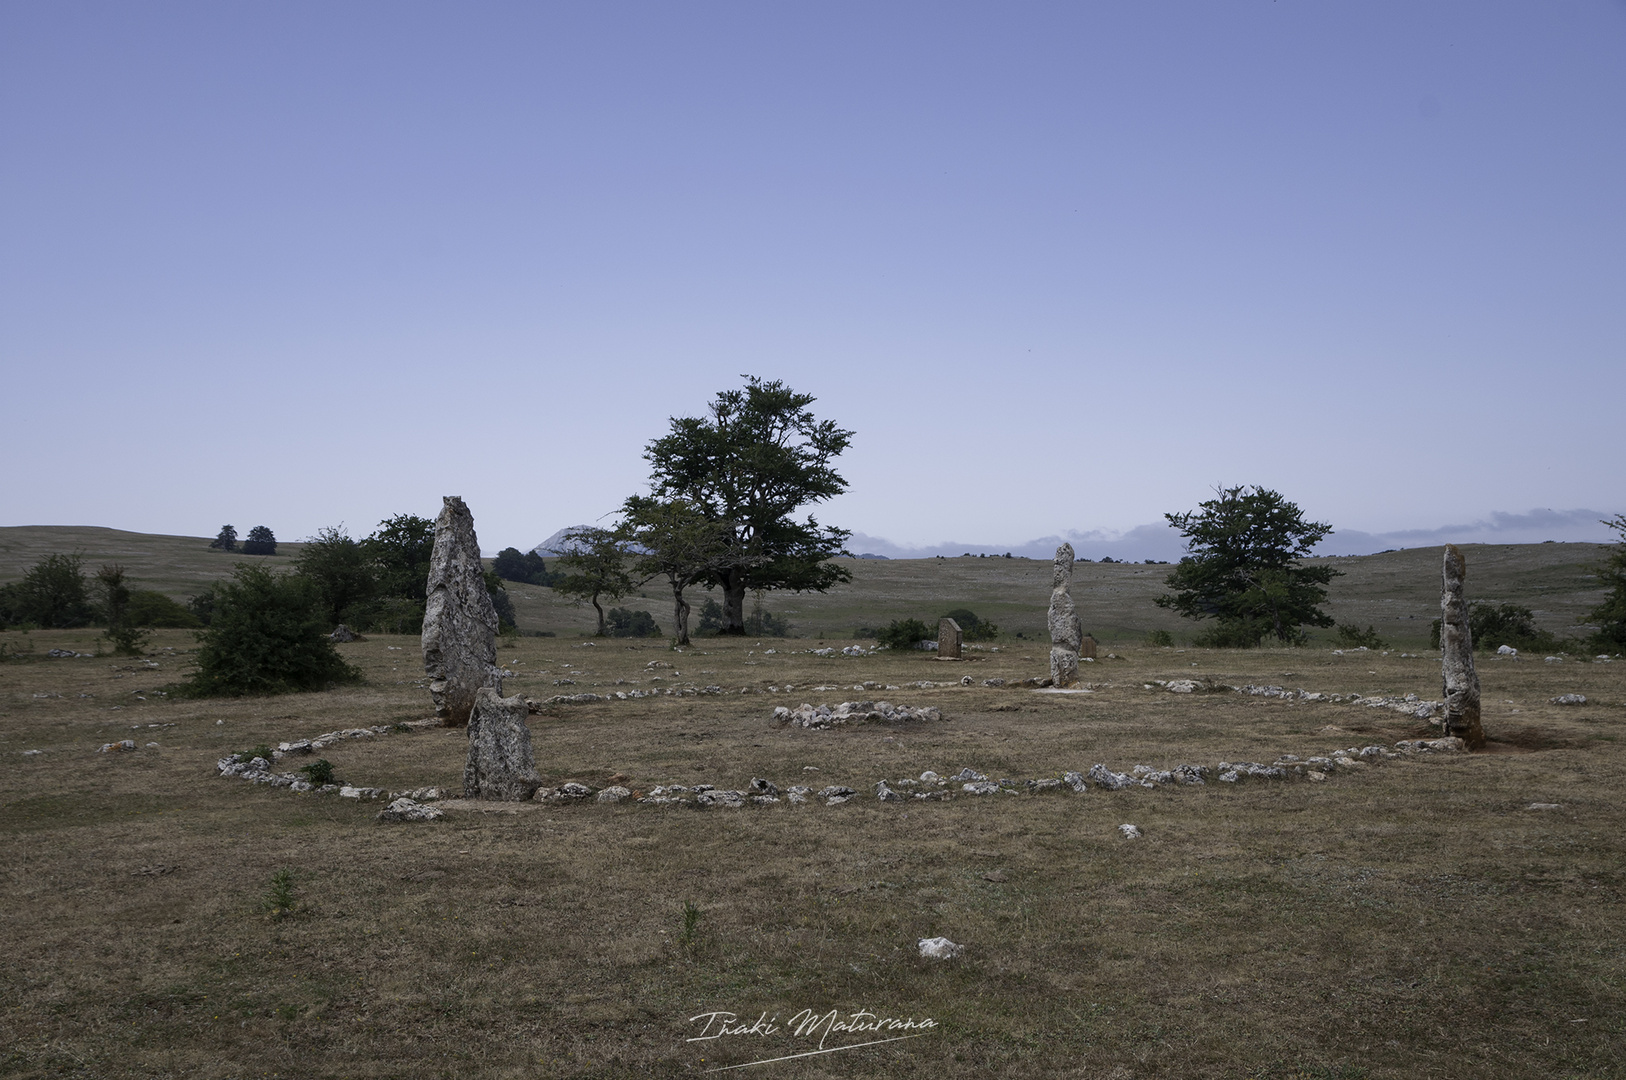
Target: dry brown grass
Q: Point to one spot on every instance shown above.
(1416, 920)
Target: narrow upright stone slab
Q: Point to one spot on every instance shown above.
(948, 639)
(1087, 647)
(500, 764)
(459, 621)
(1457, 656)
(1066, 632)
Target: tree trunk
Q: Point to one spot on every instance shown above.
(734, 603)
(600, 615)
(680, 615)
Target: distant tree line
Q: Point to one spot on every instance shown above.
(261, 541)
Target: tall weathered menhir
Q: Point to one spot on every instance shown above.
(459, 620)
(1457, 656)
(1066, 632)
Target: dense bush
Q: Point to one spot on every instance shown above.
(261, 541)
(126, 637)
(762, 623)
(711, 619)
(1611, 614)
(266, 636)
(149, 607)
(1351, 636)
(1160, 639)
(624, 623)
(526, 567)
(1494, 625)
(904, 633)
(972, 626)
(51, 595)
(342, 577)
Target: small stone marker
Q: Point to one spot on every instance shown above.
(1457, 655)
(1086, 648)
(1066, 632)
(948, 639)
(939, 948)
(459, 621)
(500, 764)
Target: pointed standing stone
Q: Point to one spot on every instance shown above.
(1066, 632)
(459, 621)
(948, 639)
(1457, 656)
(500, 764)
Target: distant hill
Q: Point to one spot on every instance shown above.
(550, 546)
(1397, 591)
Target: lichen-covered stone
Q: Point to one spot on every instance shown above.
(948, 639)
(1457, 655)
(500, 765)
(459, 620)
(1066, 632)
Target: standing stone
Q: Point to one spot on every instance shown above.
(1457, 656)
(459, 621)
(1086, 647)
(1066, 632)
(948, 639)
(500, 764)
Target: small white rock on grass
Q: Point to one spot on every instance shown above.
(939, 948)
(1130, 832)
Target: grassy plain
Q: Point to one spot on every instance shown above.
(1416, 919)
(1397, 591)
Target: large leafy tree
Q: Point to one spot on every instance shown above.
(1243, 569)
(401, 547)
(675, 540)
(512, 564)
(595, 566)
(52, 595)
(1611, 614)
(261, 541)
(343, 577)
(748, 466)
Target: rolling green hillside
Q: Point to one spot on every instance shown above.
(1397, 591)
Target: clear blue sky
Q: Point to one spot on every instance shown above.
(1062, 267)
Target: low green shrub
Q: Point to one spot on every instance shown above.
(904, 633)
(634, 624)
(319, 772)
(1351, 636)
(1160, 639)
(265, 636)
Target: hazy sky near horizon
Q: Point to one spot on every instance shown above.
(1061, 267)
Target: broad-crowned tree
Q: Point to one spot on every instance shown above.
(594, 563)
(748, 466)
(261, 541)
(1611, 614)
(1243, 571)
(675, 540)
(343, 577)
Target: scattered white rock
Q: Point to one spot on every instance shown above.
(614, 794)
(1544, 806)
(939, 948)
(124, 745)
(1129, 832)
(404, 809)
(1507, 650)
(1569, 699)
